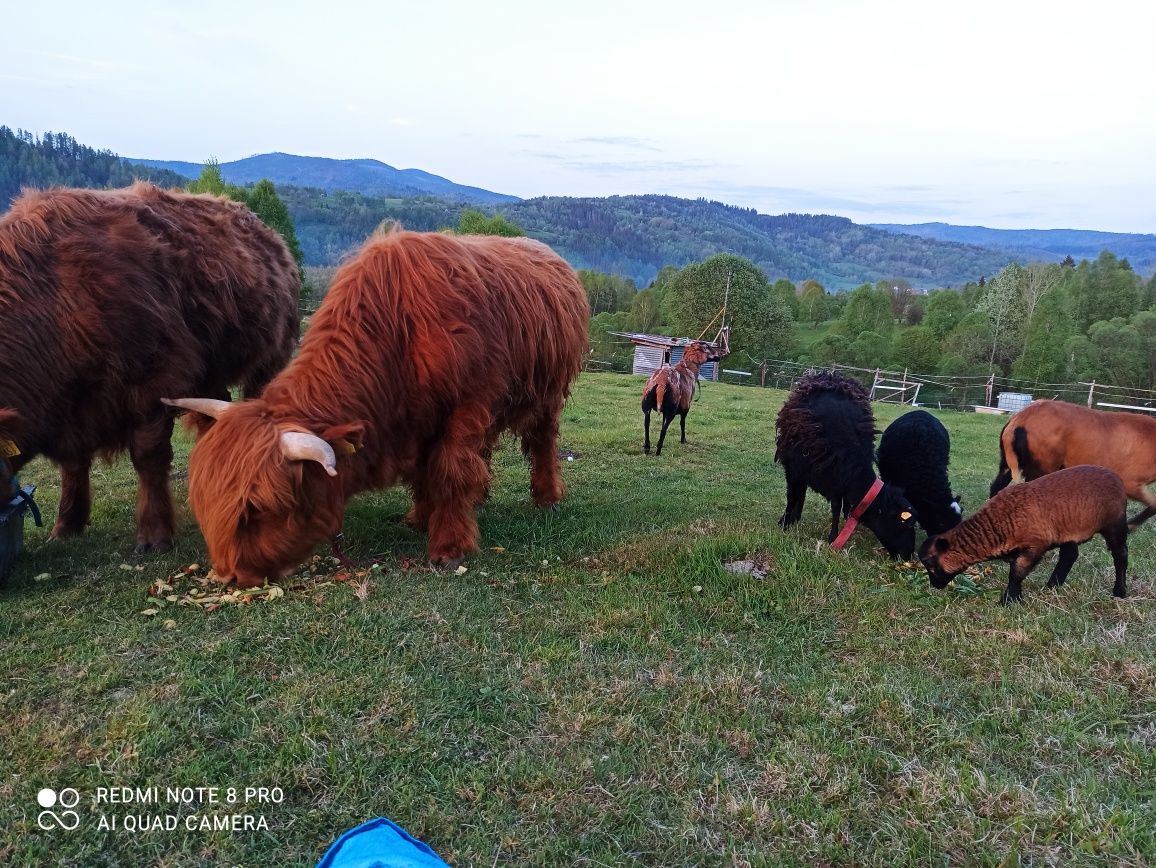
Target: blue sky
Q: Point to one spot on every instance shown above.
(1009, 114)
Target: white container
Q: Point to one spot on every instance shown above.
(1013, 402)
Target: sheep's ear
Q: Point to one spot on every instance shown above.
(941, 545)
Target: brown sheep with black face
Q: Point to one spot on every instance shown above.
(1022, 523)
(670, 390)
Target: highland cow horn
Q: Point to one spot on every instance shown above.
(206, 406)
(299, 446)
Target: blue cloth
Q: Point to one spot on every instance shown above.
(380, 843)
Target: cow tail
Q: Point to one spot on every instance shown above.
(1022, 455)
(1004, 477)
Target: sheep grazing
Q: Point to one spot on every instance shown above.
(1049, 435)
(1021, 523)
(670, 390)
(825, 440)
(913, 455)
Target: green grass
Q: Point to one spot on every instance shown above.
(601, 691)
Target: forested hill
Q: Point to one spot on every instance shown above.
(371, 177)
(637, 235)
(1044, 245)
(57, 159)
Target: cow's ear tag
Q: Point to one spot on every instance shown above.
(906, 516)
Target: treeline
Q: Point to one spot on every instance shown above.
(57, 159)
(1044, 322)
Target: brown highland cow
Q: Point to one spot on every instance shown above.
(110, 300)
(427, 347)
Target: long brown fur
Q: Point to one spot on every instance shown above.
(110, 300)
(1049, 435)
(426, 347)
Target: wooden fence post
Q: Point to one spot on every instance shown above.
(1091, 391)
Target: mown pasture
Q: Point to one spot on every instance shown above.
(597, 688)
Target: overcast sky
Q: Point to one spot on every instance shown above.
(1008, 114)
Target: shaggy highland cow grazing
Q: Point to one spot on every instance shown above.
(913, 455)
(1047, 436)
(110, 300)
(1020, 524)
(426, 348)
(826, 441)
(670, 390)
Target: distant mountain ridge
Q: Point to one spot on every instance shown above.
(1047, 245)
(366, 176)
(635, 236)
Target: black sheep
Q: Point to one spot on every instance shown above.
(825, 440)
(913, 455)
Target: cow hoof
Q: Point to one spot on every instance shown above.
(446, 563)
(158, 548)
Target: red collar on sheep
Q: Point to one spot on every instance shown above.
(856, 514)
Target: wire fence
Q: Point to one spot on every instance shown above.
(934, 390)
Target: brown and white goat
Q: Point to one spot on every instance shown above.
(670, 390)
(1023, 522)
(1049, 435)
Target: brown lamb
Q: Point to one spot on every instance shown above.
(1023, 522)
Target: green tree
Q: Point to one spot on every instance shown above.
(831, 349)
(267, 205)
(1047, 334)
(943, 311)
(971, 341)
(918, 349)
(813, 306)
(644, 315)
(784, 292)
(1002, 304)
(696, 296)
(1102, 290)
(871, 350)
(212, 181)
(868, 310)
(474, 222)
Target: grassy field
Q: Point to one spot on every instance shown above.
(596, 689)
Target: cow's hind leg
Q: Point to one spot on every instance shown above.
(151, 450)
(456, 478)
(540, 445)
(75, 498)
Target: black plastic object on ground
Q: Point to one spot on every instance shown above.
(12, 526)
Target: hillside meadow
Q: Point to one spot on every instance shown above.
(596, 688)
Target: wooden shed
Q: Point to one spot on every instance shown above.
(653, 351)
